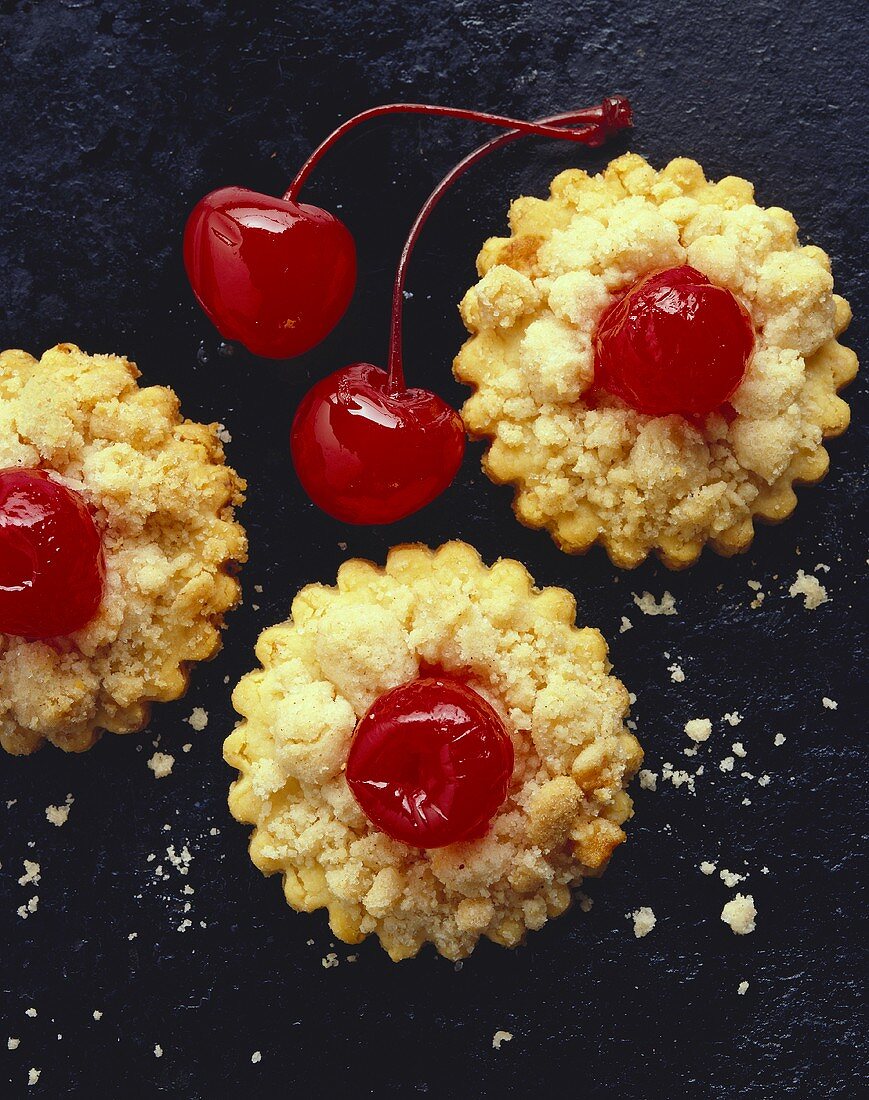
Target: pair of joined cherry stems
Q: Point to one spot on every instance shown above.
(277, 276)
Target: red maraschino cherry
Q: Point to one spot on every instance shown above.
(430, 763)
(274, 274)
(277, 275)
(52, 568)
(366, 448)
(675, 343)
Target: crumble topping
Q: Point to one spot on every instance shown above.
(519, 648)
(585, 465)
(163, 500)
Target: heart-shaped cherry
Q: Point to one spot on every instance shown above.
(277, 274)
(368, 455)
(52, 567)
(367, 449)
(274, 274)
(430, 763)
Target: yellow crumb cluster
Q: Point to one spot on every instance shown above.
(163, 500)
(599, 471)
(520, 649)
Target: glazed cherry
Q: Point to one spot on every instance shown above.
(52, 568)
(276, 275)
(675, 343)
(430, 763)
(367, 455)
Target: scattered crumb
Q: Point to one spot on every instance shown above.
(779, 739)
(698, 729)
(132, 935)
(187, 747)
(644, 921)
(161, 764)
(733, 718)
(330, 960)
(57, 815)
(810, 588)
(648, 780)
(256, 1057)
(647, 604)
(198, 719)
(222, 434)
(821, 565)
(24, 911)
(764, 781)
(31, 1012)
(830, 704)
(501, 1037)
(707, 867)
(756, 585)
(726, 764)
(158, 1051)
(738, 749)
(742, 988)
(33, 1076)
(678, 778)
(746, 802)
(12, 1044)
(585, 903)
(626, 624)
(97, 1014)
(676, 674)
(739, 913)
(31, 873)
(730, 878)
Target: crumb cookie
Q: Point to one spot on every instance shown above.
(116, 545)
(433, 751)
(655, 361)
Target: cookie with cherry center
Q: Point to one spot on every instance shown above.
(433, 751)
(118, 547)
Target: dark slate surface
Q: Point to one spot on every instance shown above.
(116, 118)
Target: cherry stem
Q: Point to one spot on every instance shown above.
(601, 121)
(544, 128)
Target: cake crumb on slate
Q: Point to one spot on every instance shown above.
(707, 867)
(733, 718)
(158, 1051)
(810, 588)
(644, 921)
(330, 960)
(740, 914)
(198, 719)
(31, 1012)
(97, 1014)
(830, 704)
(676, 673)
(12, 1044)
(779, 739)
(742, 988)
(161, 764)
(256, 1057)
(648, 780)
(33, 1076)
(730, 878)
(501, 1037)
(738, 749)
(699, 729)
(649, 606)
(31, 874)
(726, 765)
(677, 777)
(57, 815)
(626, 624)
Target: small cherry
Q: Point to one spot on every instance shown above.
(430, 763)
(277, 275)
(675, 343)
(366, 448)
(52, 568)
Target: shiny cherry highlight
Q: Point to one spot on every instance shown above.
(430, 763)
(52, 568)
(675, 343)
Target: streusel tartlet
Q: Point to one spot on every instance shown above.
(434, 620)
(589, 458)
(117, 542)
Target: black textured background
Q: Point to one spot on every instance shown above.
(116, 118)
